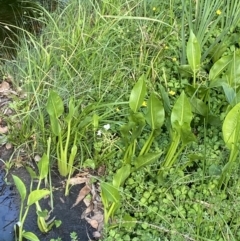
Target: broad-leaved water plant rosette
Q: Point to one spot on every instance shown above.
(153, 118)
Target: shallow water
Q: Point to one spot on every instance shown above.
(9, 209)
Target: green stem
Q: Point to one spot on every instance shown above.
(172, 150)
(147, 144)
(22, 220)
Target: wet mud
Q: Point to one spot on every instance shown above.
(70, 217)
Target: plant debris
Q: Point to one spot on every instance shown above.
(90, 195)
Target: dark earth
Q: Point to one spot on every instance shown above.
(70, 217)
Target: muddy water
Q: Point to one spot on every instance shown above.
(9, 209)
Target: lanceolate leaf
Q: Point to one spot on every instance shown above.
(193, 53)
(137, 94)
(219, 67)
(155, 112)
(43, 165)
(36, 195)
(30, 236)
(55, 126)
(109, 193)
(55, 106)
(121, 175)
(231, 127)
(20, 187)
(147, 159)
(182, 112)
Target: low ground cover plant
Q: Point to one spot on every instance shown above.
(151, 93)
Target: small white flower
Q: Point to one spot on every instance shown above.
(99, 133)
(106, 127)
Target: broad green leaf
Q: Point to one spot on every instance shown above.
(72, 157)
(57, 223)
(121, 175)
(193, 52)
(146, 159)
(136, 123)
(137, 94)
(55, 105)
(185, 71)
(233, 71)
(230, 93)
(30, 236)
(231, 127)
(71, 110)
(36, 195)
(20, 187)
(186, 134)
(219, 67)
(31, 172)
(155, 112)
(55, 126)
(109, 193)
(43, 166)
(218, 51)
(165, 98)
(42, 214)
(199, 107)
(181, 112)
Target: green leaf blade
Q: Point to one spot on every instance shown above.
(137, 94)
(219, 67)
(20, 187)
(109, 193)
(231, 127)
(155, 114)
(181, 112)
(146, 159)
(30, 236)
(55, 107)
(121, 175)
(193, 52)
(43, 166)
(36, 195)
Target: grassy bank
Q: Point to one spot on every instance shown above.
(150, 91)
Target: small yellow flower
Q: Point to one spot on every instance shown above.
(154, 9)
(171, 92)
(144, 104)
(174, 59)
(117, 109)
(218, 12)
(166, 47)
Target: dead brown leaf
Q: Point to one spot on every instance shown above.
(4, 86)
(98, 217)
(8, 146)
(78, 180)
(82, 194)
(87, 200)
(92, 222)
(96, 234)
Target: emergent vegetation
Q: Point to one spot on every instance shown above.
(151, 90)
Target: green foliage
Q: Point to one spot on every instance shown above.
(158, 171)
(33, 197)
(231, 136)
